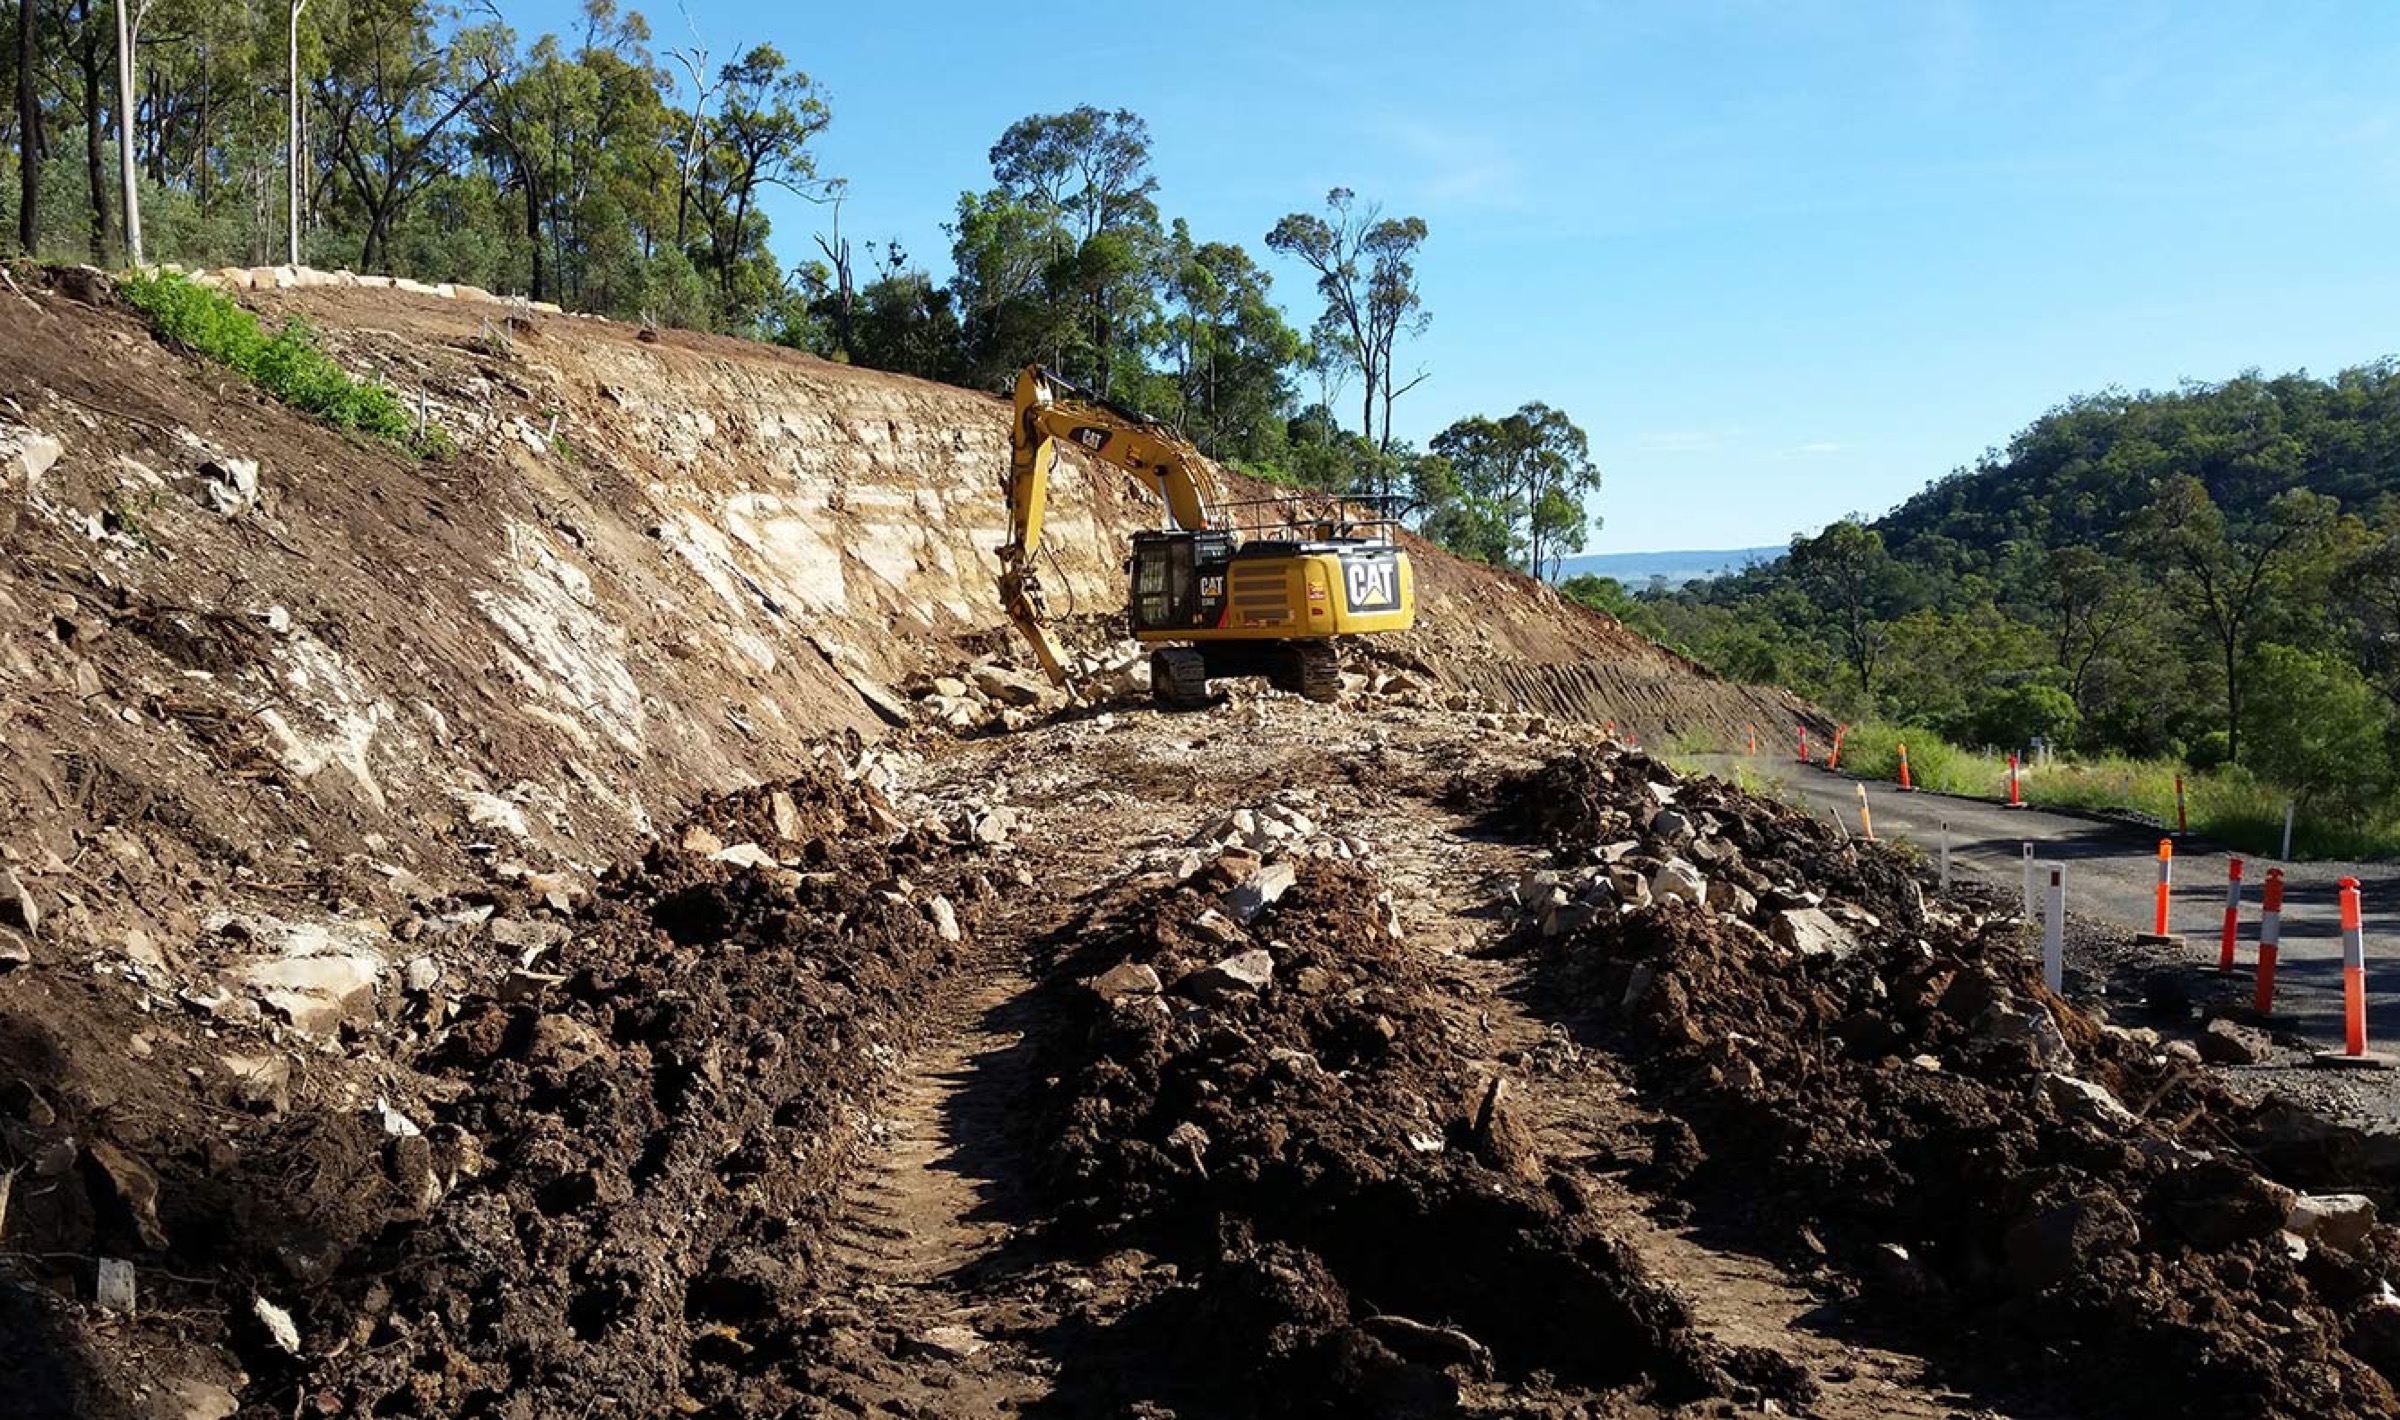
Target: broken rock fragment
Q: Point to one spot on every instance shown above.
(1262, 890)
(2089, 1102)
(1678, 881)
(2225, 1042)
(2339, 1220)
(1008, 687)
(945, 918)
(113, 1285)
(1811, 933)
(1215, 926)
(135, 1188)
(259, 1082)
(1125, 979)
(1242, 974)
(17, 907)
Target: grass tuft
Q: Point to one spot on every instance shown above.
(287, 363)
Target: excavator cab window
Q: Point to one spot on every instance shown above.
(1166, 581)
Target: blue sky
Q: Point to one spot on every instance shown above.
(1783, 259)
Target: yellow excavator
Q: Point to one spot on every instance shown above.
(1241, 589)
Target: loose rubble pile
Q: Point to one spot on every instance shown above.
(1880, 1085)
(1263, 1087)
(993, 693)
(598, 1182)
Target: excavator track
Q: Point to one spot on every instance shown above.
(1311, 669)
(1179, 678)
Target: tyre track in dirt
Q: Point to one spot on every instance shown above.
(938, 1293)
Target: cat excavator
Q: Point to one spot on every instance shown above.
(1259, 588)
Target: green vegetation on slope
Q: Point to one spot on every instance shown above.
(287, 364)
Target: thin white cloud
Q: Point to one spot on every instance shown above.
(1685, 441)
(1460, 168)
(1817, 448)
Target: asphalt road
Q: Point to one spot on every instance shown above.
(2112, 875)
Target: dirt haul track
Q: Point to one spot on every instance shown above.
(529, 977)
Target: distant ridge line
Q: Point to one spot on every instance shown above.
(1636, 569)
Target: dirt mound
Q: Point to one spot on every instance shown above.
(1283, 1111)
(1855, 1073)
(602, 1180)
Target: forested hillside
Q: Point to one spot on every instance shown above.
(2211, 573)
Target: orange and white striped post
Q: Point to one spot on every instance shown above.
(2233, 912)
(1804, 744)
(1754, 741)
(2270, 940)
(2354, 992)
(1833, 758)
(1905, 786)
(1866, 821)
(2166, 880)
(2015, 800)
(2354, 973)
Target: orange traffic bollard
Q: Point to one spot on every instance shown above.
(2270, 940)
(2354, 973)
(2166, 878)
(1804, 744)
(2014, 800)
(1905, 786)
(1833, 757)
(2354, 992)
(1754, 741)
(2233, 913)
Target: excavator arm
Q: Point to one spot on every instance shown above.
(1048, 409)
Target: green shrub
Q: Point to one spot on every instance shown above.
(2314, 723)
(1872, 751)
(288, 364)
(2016, 717)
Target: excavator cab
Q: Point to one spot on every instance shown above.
(1178, 577)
